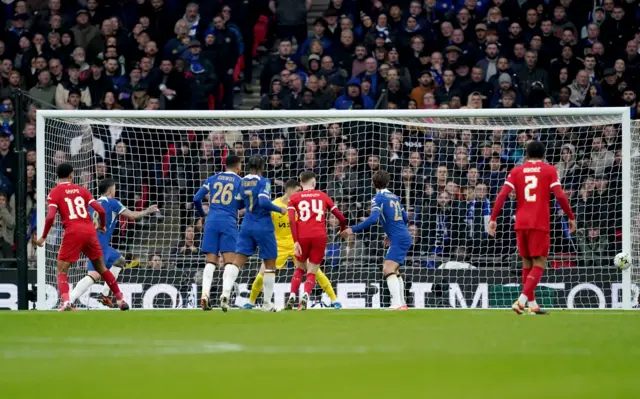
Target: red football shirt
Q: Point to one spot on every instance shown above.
(311, 208)
(72, 202)
(532, 181)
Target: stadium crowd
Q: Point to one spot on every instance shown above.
(156, 55)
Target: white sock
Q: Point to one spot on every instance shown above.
(522, 300)
(229, 278)
(403, 300)
(394, 290)
(533, 304)
(115, 270)
(80, 288)
(207, 278)
(269, 281)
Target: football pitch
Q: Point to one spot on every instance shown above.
(319, 354)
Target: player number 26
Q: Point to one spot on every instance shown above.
(306, 209)
(532, 184)
(77, 208)
(222, 193)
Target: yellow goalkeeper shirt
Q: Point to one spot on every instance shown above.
(281, 223)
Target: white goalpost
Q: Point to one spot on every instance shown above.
(446, 166)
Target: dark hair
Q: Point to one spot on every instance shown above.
(256, 162)
(232, 161)
(380, 179)
(306, 176)
(105, 185)
(535, 150)
(64, 170)
(291, 183)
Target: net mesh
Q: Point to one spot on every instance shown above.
(447, 172)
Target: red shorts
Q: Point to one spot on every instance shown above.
(533, 243)
(313, 249)
(78, 241)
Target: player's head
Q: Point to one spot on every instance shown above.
(234, 163)
(256, 164)
(107, 187)
(380, 180)
(535, 150)
(65, 171)
(291, 187)
(308, 180)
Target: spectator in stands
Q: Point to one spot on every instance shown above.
(353, 99)
(601, 157)
(593, 246)
(291, 16)
(43, 93)
(155, 262)
(7, 224)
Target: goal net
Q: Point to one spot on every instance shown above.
(446, 166)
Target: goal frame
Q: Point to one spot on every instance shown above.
(623, 112)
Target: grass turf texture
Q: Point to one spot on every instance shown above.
(319, 354)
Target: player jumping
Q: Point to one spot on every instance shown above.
(533, 182)
(221, 227)
(256, 231)
(112, 258)
(387, 207)
(307, 215)
(79, 233)
(285, 249)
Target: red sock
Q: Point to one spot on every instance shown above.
(309, 283)
(113, 285)
(296, 280)
(525, 274)
(63, 287)
(532, 281)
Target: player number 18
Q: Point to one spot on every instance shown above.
(306, 209)
(532, 184)
(76, 208)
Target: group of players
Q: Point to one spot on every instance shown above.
(292, 227)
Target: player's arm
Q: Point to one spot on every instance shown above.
(264, 199)
(135, 215)
(197, 199)
(291, 212)
(48, 221)
(563, 201)
(336, 212)
(101, 213)
(499, 204)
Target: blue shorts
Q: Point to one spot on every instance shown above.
(110, 257)
(249, 240)
(219, 238)
(398, 250)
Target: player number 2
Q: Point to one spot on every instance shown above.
(532, 184)
(306, 209)
(76, 208)
(223, 194)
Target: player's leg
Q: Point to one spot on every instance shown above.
(211, 243)
(105, 274)
(256, 288)
(63, 284)
(522, 241)
(314, 252)
(83, 285)
(116, 268)
(325, 284)
(390, 273)
(296, 282)
(533, 279)
(396, 256)
(245, 247)
(269, 253)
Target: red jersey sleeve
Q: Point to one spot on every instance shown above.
(53, 198)
(511, 179)
(329, 202)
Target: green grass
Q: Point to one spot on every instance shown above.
(319, 354)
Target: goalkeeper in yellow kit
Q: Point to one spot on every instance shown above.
(285, 249)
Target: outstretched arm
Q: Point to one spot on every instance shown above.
(291, 211)
(368, 222)
(197, 200)
(134, 215)
(265, 202)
